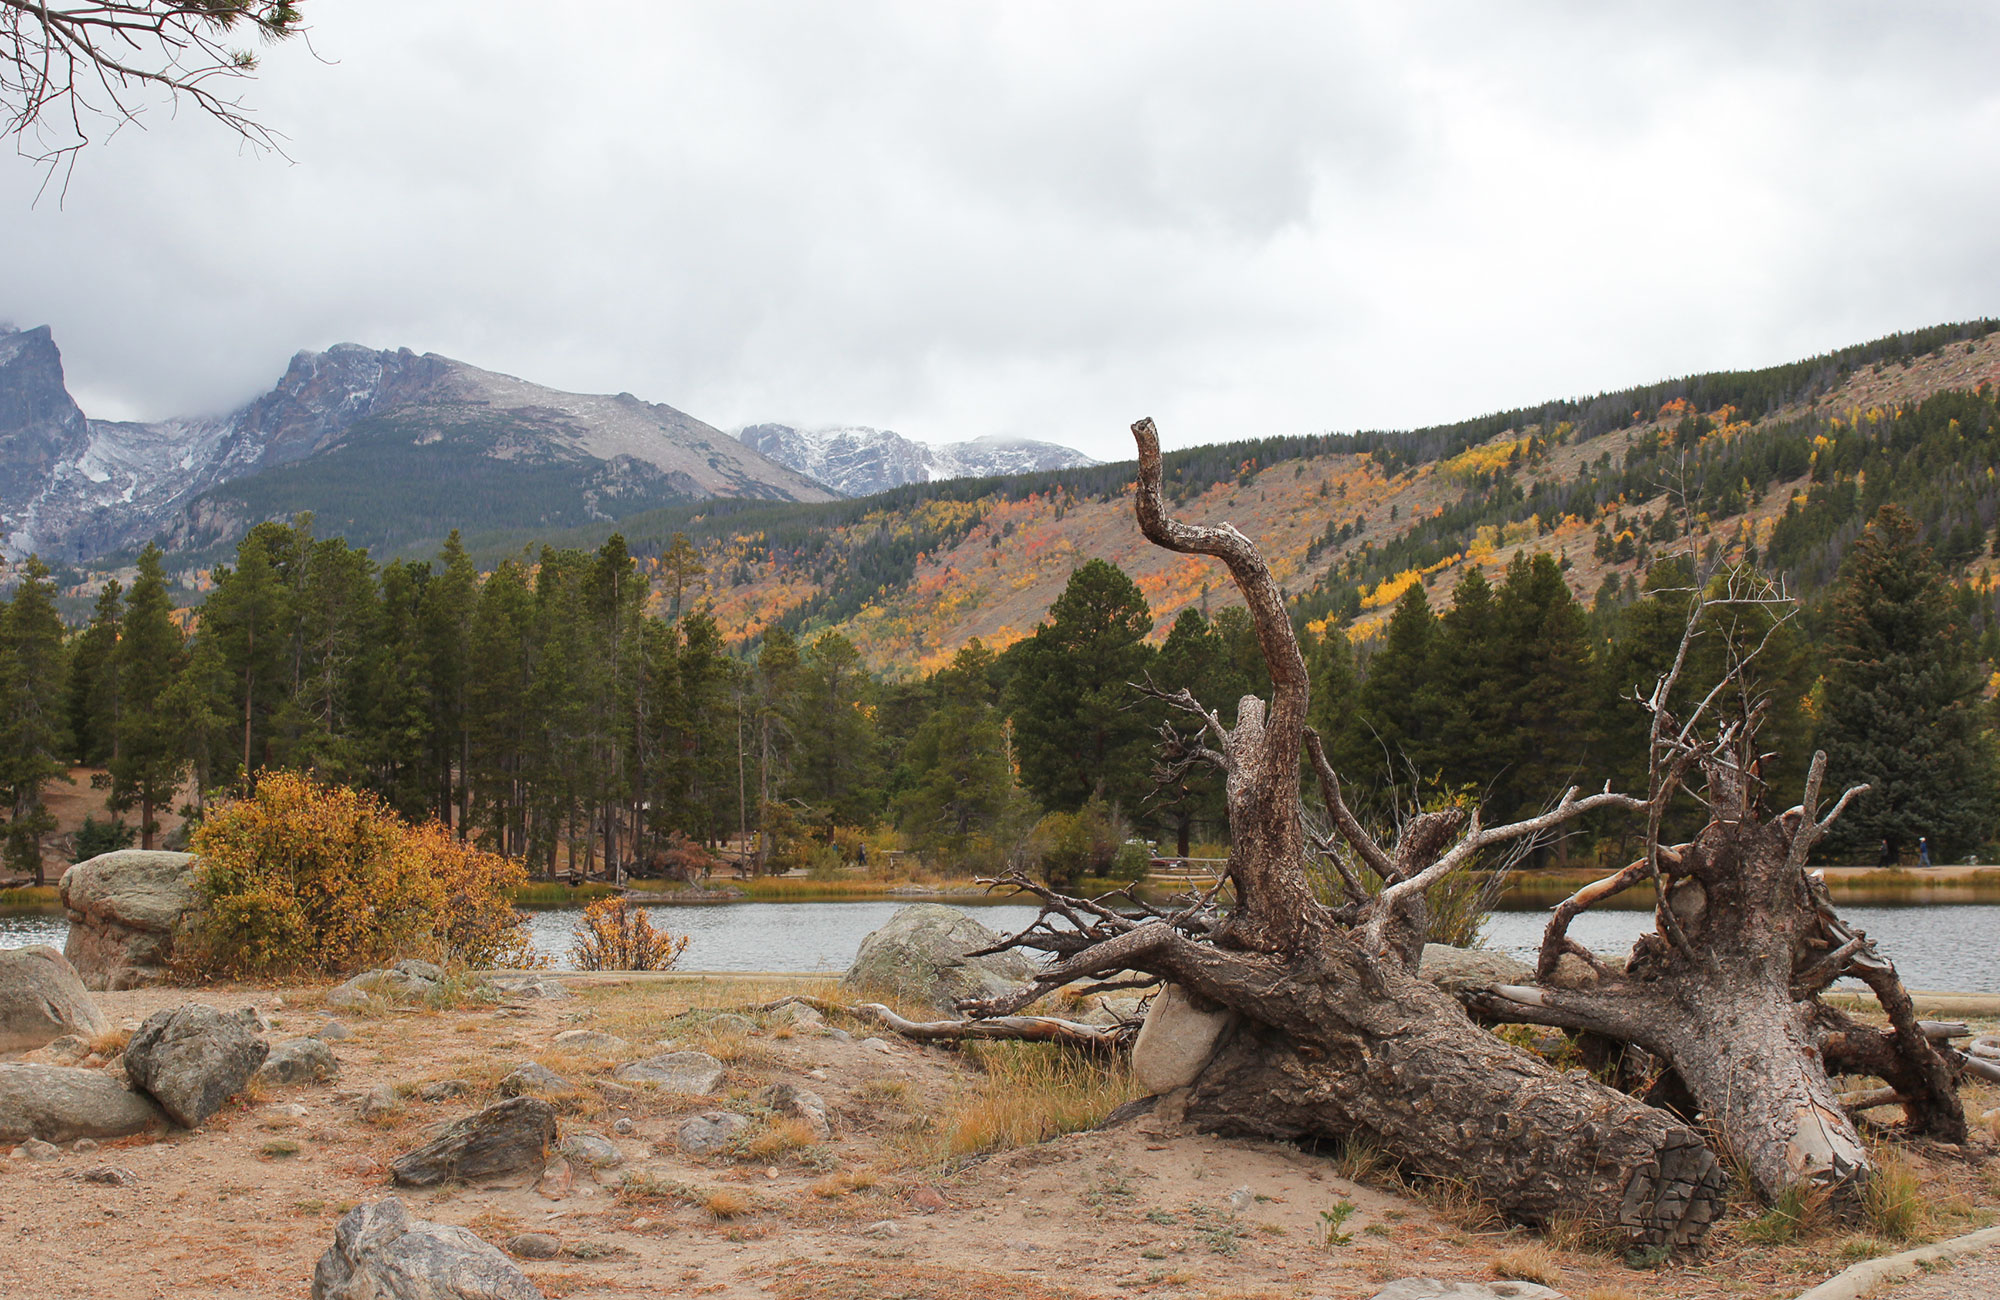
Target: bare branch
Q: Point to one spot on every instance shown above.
(1344, 820)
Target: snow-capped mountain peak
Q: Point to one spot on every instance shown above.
(858, 461)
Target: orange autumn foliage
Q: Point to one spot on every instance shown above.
(304, 878)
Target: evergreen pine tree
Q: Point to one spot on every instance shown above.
(1903, 707)
(93, 682)
(1075, 738)
(151, 756)
(34, 731)
(1396, 732)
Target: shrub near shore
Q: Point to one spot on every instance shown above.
(304, 878)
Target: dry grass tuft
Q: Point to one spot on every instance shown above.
(1610, 1293)
(726, 1203)
(1528, 1263)
(111, 1042)
(845, 1183)
(779, 1137)
(1026, 1093)
(1894, 1202)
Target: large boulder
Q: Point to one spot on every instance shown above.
(382, 1252)
(1459, 971)
(193, 1058)
(508, 1141)
(920, 956)
(123, 909)
(1176, 1041)
(41, 1000)
(59, 1104)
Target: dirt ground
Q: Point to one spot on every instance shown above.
(243, 1207)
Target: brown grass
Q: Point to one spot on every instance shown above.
(778, 1138)
(1026, 1093)
(1528, 1263)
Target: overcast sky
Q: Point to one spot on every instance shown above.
(1041, 219)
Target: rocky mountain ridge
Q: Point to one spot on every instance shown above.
(858, 461)
(460, 440)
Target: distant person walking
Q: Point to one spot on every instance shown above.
(1923, 851)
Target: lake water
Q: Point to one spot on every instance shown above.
(1954, 948)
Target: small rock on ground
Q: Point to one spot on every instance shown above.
(1429, 1288)
(696, 1073)
(299, 1060)
(444, 1089)
(534, 1245)
(383, 1252)
(506, 1140)
(36, 1149)
(591, 1040)
(709, 1132)
(532, 1076)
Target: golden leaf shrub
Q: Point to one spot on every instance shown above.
(306, 878)
(612, 935)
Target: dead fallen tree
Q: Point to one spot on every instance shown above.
(1725, 991)
(1030, 1029)
(1335, 1035)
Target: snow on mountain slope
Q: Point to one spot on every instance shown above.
(858, 461)
(73, 488)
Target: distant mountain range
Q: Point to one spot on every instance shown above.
(857, 461)
(384, 447)
(393, 449)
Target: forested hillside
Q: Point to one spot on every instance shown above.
(951, 665)
(1351, 520)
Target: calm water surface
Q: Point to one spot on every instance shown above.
(1950, 947)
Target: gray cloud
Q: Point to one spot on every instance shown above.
(1041, 218)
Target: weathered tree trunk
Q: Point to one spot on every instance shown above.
(1725, 991)
(1369, 1051)
(1337, 1037)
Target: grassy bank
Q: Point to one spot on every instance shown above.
(1888, 887)
(30, 898)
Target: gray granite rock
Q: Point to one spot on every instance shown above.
(532, 1076)
(1176, 1040)
(192, 1058)
(695, 1073)
(59, 1104)
(299, 1060)
(1468, 970)
(507, 1140)
(709, 1132)
(920, 955)
(1427, 1288)
(42, 1000)
(382, 1252)
(123, 909)
(591, 1040)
